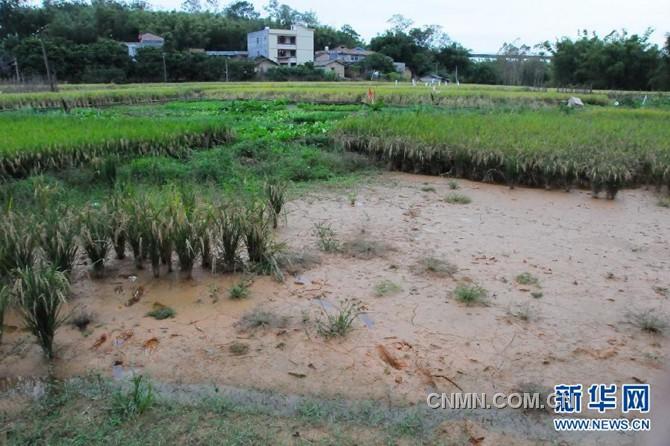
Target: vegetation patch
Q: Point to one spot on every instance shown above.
(338, 322)
(457, 198)
(386, 288)
(471, 294)
(161, 312)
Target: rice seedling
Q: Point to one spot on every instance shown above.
(203, 222)
(456, 198)
(186, 243)
(119, 226)
(258, 233)
(386, 288)
(339, 323)
(18, 243)
(58, 239)
(135, 401)
(470, 294)
(276, 196)
(40, 293)
(95, 236)
(650, 321)
(161, 312)
(241, 289)
(326, 238)
(436, 267)
(229, 231)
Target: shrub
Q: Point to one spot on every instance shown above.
(339, 323)
(470, 294)
(95, 236)
(40, 293)
(526, 279)
(648, 320)
(436, 267)
(386, 287)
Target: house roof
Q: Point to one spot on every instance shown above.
(149, 36)
(260, 59)
(347, 51)
(323, 63)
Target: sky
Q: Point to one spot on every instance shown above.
(484, 25)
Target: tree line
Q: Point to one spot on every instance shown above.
(83, 43)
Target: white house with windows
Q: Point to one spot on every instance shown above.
(288, 47)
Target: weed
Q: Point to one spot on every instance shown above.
(664, 202)
(352, 196)
(258, 318)
(326, 238)
(470, 294)
(339, 323)
(161, 312)
(241, 289)
(537, 294)
(410, 425)
(133, 403)
(648, 320)
(526, 279)
(386, 287)
(522, 312)
(238, 348)
(82, 320)
(364, 248)
(296, 262)
(428, 189)
(213, 290)
(457, 198)
(436, 267)
(40, 293)
(453, 185)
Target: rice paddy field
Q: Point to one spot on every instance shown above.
(211, 263)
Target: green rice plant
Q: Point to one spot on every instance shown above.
(339, 323)
(204, 220)
(229, 231)
(135, 207)
(18, 243)
(470, 294)
(326, 238)
(241, 289)
(96, 235)
(40, 293)
(456, 198)
(276, 196)
(58, 239)
(134, 402)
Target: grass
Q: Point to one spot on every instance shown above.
(327, 240)
(339, 323)
(453, 185)
(241, 289)
(470, 294)
(386, 288)
(664, 202)
(161, 312)
(457, 198)
(134, 402)
(259, 318)
(361, 246)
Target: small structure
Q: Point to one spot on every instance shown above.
(263, 64)
(229, 54)
(145, 40)
(289, 47)
(332, 66)
(432, 79)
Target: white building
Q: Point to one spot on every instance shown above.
(289, 47)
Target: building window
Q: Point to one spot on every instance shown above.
(292, 53)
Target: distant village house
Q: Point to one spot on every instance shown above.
(145, 40)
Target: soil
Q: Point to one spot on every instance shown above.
(595, 260)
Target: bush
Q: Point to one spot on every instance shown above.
(40, 293)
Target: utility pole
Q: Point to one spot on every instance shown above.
(226, 61)
(50, 77)
(16, 68)
(164, 69)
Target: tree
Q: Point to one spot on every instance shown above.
(241, 10)
(377, 62)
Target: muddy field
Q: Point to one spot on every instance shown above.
(595, 262)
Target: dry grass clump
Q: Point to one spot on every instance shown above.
(457, 198)
(650, 321)
(527, 279)
(363, 247)
(326, 238)
(296, 262)
(435, 266)
(386, 288)
(259, 318)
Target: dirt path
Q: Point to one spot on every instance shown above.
(595, 262)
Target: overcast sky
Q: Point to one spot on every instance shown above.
(484, 25)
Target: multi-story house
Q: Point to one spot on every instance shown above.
(289, 47)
